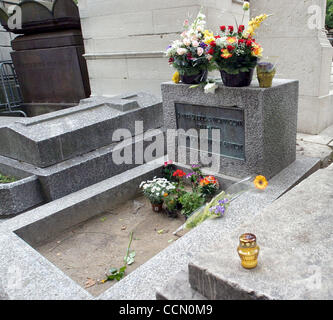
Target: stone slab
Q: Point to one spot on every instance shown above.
(58, 136)
(322, 139)
(270, 122)
(296, 259)
(20, 196)
(143, 282)
(40, 279)
(44, 281)
(83, 171)
(178, 288)
(315, 150)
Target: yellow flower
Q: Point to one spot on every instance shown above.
(246, 6)
(176, 77)
(208, 34)
(232, 40)
(208, 37)
(257, 50)
(255, 24)
(260, 182)
(226, 54)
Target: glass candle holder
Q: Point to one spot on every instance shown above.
(248, 250)
(266, 70)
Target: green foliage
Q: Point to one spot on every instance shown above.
(168, 171)
(6, 179)
(236, 64)
(191, 201)
(329, 14)
(205, 213)
(114, 273)
(191, 67)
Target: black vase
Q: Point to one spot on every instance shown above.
(242, 79)
(196, 79)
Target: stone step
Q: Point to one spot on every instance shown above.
(295, 261)
(56, 137)
(178, 288)
(80, 172)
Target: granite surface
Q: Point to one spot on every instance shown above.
(270, 117)
(42, 280)
(58, 136)
(296, 256)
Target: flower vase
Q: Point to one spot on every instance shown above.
(157, 207)
(194, 79)
(242, 79)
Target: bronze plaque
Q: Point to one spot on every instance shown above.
(229, 120)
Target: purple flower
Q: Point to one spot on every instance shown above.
(222, 202)
(203, 45)
(218, 210)
(195, 166)
(189, 175)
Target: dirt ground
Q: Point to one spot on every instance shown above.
(86, 252)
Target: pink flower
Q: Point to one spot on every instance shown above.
(195, 44)
(168, 163)
(186, 23)
(187, 42)
(200, 51)
(181, 51)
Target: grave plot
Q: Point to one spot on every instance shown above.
(88, 251)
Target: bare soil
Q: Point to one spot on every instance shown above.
(87, 251)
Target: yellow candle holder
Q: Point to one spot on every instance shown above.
(265, 78)
(248, 250)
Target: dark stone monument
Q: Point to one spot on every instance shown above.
(48, 57)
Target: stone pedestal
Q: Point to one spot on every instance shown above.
(295, 33)
(256, 127)
(125, 43)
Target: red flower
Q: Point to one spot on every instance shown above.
(171, 60)
(231, 29)
(179, 173)
(211, 51)
(241, 41)
(249, 43)
(223, 28)
(217, 37)
(241, 28)
(213, 44)
(189, 56)
(230, 48)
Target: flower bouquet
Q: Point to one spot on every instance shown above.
(218, 206)
(188, 55)
(155, 190)
(235, 52)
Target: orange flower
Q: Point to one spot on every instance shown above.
(208, 180)
(165, 195)
(211, 179)
(226, 54)
(232, 40)
(260, 182)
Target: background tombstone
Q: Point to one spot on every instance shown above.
(48, 56)
(296, 34)
(125, 44)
